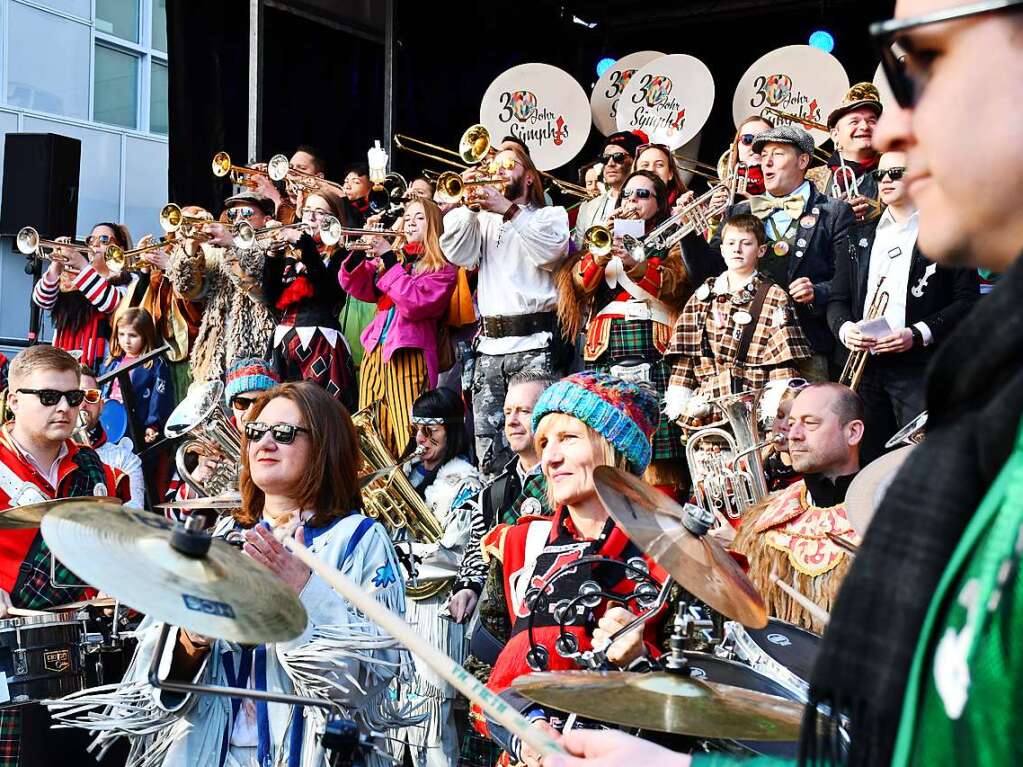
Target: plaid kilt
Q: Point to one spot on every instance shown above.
(10, 737)
(631, 340)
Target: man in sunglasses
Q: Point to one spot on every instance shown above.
(616, 157)
(925, 301)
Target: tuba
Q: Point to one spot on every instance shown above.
(202, 417)
(725, 465)
(392, 500)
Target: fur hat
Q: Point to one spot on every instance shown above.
(860, 95)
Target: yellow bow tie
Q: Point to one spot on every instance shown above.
(762, 206)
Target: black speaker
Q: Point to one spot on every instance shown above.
(40, 184)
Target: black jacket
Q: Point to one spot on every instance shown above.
(324, 305)
(938, 296)
(826, 238)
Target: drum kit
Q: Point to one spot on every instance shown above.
(744, 690)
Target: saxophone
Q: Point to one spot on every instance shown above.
(391, 499)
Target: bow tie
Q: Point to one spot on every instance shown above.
(763, 207)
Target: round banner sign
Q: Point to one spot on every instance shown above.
(608, 90)
(669, 99)
(796, 81)
(542, 106)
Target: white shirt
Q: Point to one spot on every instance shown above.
(52, 473)
(119, 455)
(516, 261)
(892, 254)
(593, 212)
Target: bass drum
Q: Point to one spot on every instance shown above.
(114, 419)
(714, 669)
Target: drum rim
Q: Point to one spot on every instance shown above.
(68, 617)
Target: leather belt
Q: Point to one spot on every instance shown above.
(518, 325)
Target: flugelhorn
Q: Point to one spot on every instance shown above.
(279, 169)
(452, 188)
(222, 166)
(329, 227)
(119, 260)
(30, 243)
(172, 218)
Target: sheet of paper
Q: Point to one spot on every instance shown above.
(878, 328)
(630, 227)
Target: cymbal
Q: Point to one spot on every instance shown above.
(698, 563)
(666, 702)
(224, 501)
(99, 602)
(867, 489)
(30, 515)
(128, 555)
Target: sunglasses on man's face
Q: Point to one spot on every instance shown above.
(894, 174)
(282, 433)
(92, 396)
(234, 214)
(908, 74)
(50, 397)
(618, 158)
(639, 194)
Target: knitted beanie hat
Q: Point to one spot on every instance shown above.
(249, 374)
(623, 413)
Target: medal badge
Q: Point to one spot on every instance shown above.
(703, 293)
(742, 317)
(808, 222)
(780, 248)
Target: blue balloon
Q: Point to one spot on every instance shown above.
(603, 65)
(822, 39)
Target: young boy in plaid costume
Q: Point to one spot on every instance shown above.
(39, 462)
(737, 332)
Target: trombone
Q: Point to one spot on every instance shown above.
(852, 373)
(222, 166)
(30, 243)
(805, 122)
(279, 169)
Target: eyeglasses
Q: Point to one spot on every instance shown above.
(508, 163)
(92, 396)
(618, 158)
(315, 213)
(238, 402)
(639, 194)
(429, 431)
(233, 214)
(908, 74)
(893, 173)
(50, 397)
(282, 433)
(746, 139)
(99, 239)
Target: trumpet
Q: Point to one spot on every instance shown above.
(30, 243)
(240, 174)
(452, 188)
(852, 373)
(364, 241)
(694, 217)
(279, 169)
(172, 219)
(599, 240)
(119, 260)
(329, 227)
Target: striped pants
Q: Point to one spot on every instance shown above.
(396, 385)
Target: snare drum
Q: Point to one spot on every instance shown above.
(40, 656)
(781, 651)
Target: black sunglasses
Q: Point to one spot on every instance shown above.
(50, 397)
(908, 74)
(282, 433)
(618, 158)
(747, 139)
(893, 173)
(639, 194)
(238, 402)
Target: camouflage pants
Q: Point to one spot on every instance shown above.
(489, 385)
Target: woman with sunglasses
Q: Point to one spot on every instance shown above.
(300, 281)
(626, 307)
(741, 151)
(81, 293)
(448, 484)
(300, 461)
(659, 160)
(411, 286)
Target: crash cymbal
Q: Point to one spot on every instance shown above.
(666, 702)
(30, 515)
(98, 602)
(135, 557)
(867, 489)
(224, 501)
(698, 563)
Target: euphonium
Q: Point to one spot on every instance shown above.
(393, 501)
(202, 417)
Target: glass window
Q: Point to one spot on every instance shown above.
(119, 18)
(115, 100)
(80, 8)
(158, 120)
(145, 184)
(160, 25)
(48, 62)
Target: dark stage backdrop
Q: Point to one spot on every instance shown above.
(325, 87)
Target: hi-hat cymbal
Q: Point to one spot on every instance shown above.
(666, 702)
(30, 515)
(224, 501)
(128, 554)
(698, 563)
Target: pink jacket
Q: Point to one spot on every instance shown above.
(420, 300)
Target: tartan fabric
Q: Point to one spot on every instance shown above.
(705, 342)
(632, 340)
(10, 737)
(535, 488)
(34, 589)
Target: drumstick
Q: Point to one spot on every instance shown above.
(21, 612)
(455, 674)
(818, 612)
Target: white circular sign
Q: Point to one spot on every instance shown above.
(884, 89)
(796, 80)
(542, 106)
(669, 99)
(607, 91)
(688, 151)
